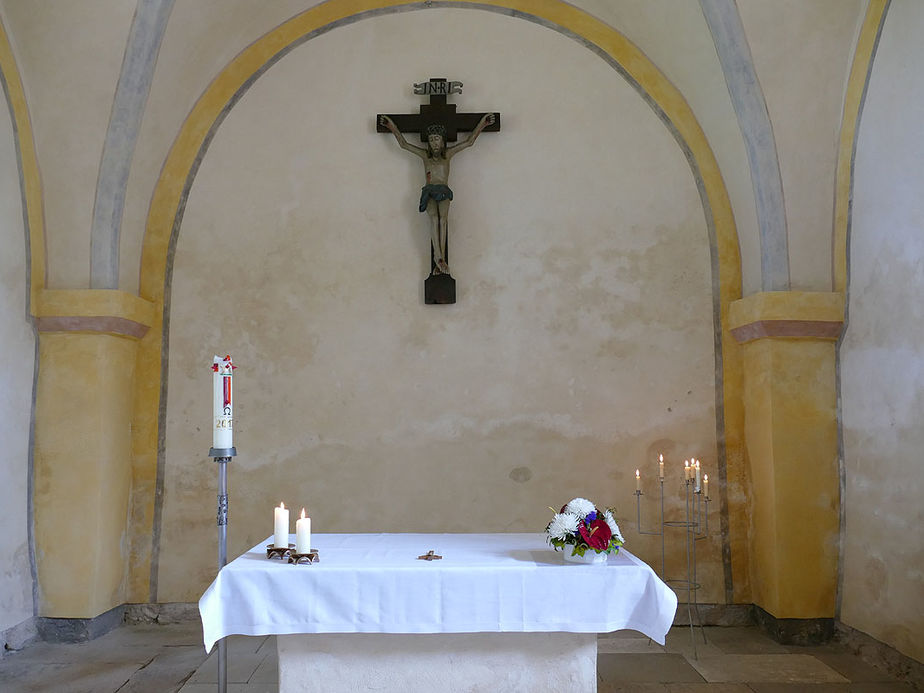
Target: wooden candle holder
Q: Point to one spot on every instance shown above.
(281, 552)
(304, 558)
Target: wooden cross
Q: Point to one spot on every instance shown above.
(437, 112)
(439, 287)
(429, 556)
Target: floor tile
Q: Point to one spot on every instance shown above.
(781, 668)
(616, 687)
(680, 641)
(240, 668)
(73, 677)
(268, 646)
(76, 653)
(708, 688)
(627, 641)
(645, 668)
(769, 687)
(831, 688)
(853, 668)
(232, 688)
(627, 646)
(268, 671)
(743, 640)
(167, 672)
(147, 635)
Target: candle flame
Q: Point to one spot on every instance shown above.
(686, 463)
(706, 478)
(282, 505)
(636, 474)
(660, 457)
(697, 464)
(303, 513)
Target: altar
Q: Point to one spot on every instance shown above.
(499, 612)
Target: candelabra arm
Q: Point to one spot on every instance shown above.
(638, 518)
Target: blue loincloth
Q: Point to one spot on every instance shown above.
(434, 191)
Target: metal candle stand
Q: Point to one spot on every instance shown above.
(222, 456)
(696, 519)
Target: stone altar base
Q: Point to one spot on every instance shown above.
(445, 662)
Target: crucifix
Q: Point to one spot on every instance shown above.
(438, 124)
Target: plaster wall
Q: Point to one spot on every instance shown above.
(17, 342)
(882, 373)
(802, 52)
(581, 345)
(202, 37)
(674, 34)
(69, 55)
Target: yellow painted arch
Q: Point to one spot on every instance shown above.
(853, 103)
(29, 170)
(193, 135)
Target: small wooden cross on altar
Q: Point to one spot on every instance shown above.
(438, 123)
(429, 556)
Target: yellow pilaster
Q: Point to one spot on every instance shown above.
(790, 431)
(88, 342)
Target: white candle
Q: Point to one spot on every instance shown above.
(706, 485)
(222, 406)
(686, 469)
(661, 467)
(281, 527)
(697, 474)
(303, 534)
(638, 481)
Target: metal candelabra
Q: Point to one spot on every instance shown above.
(222, 456)
(696, 527)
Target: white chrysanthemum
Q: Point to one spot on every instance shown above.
(614, 528)
(580, 507)
(563, 525)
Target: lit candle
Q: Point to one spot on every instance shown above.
(303, 534)
(281, 527)
(686, 469)
(706, 485)
(697, 474)
(638, 481)
(661, 467)
(221, 403)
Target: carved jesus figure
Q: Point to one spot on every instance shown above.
(435, 194)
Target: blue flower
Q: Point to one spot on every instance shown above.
(591, 516)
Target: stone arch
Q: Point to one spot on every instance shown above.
(179, 171)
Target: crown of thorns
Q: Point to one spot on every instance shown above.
(436, 129)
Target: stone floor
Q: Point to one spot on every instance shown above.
(170, 658)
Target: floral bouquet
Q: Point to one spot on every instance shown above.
(581, 525)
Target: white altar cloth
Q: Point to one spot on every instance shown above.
(373, 583)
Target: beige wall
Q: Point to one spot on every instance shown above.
(582, 342)
(69, 56)
(674, 34)
(16, 371)
(202, 37)
(881, 368)
(802, 53)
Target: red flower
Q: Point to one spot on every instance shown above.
(597, 535)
